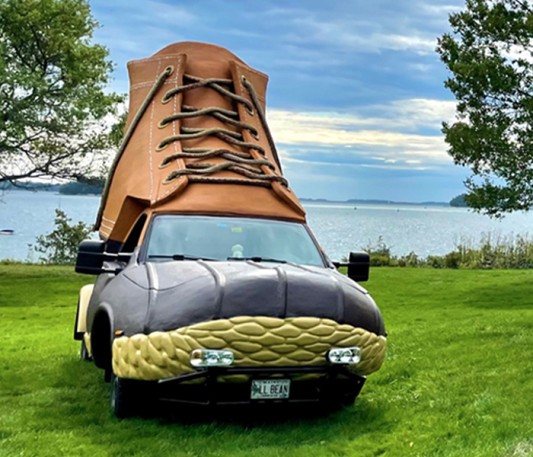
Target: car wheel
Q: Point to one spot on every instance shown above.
(84, 352)
(130, 397)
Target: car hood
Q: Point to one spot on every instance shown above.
(182, 293)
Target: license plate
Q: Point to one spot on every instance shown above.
(264, 389)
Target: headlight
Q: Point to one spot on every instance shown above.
(345, 356)
(211, 358)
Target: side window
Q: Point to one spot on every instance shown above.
(133, 237)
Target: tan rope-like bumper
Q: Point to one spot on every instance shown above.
(255, 341)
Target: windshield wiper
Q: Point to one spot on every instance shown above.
(258, 259)
(180, 257)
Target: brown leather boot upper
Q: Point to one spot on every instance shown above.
(196, 142)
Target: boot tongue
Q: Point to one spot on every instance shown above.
(205, 61)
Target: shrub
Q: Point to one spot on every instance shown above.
(410, 260)
(499, 252)
(452, 260)
(380, 253)
(435, 261)
(60, 246)
(492, 252)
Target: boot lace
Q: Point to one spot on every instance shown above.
(245, 163)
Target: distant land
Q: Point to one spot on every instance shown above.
(361, 201)
(95, 188)
(32, 186)
(70, 188)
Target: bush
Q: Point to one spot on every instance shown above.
(452, 260)
(435, 261)
(410, 260)
(506, 252)
(380, 253)
(491, 253)
(60, 246)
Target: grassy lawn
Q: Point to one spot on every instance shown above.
(458, 379)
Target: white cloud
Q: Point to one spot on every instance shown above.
(351, 35)
(419, 44)
(519, 52)
(394, 167)
(396, 134)
(423, 112)
(440, 10)
(414, 113)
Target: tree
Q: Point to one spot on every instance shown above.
(54, 109)
(490, 57)
(459, 201)
(116, 134)
(83, 187)
(60, 246)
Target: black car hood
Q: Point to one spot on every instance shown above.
(181, 293)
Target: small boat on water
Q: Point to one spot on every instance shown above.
(7, 232)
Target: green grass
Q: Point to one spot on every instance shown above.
(458, 380)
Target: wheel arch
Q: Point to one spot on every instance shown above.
(102, 336)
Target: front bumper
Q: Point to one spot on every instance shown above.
(257, 342)
(331, 384)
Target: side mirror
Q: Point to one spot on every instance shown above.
(359, 266)
(90, 258)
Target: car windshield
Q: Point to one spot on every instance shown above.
(174, 237)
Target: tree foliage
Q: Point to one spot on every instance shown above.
(490, 57)
(118, 129)
(54, 110)
(459, 201)
(92, 186)
(60, 246)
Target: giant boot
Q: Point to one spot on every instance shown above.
(196, 141)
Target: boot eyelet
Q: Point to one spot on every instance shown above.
(166, 98)
(255, 134)
(164, 164)
(160, 147)
(248, 106)
(169, 179)
(169, 70)
(162, 124)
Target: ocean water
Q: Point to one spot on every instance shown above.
(339, 228)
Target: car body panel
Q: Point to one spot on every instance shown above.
(165, 296)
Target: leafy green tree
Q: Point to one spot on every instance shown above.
(118, 129)
(490, 57)
(60, 246)
(92, 186)
(460, 200)
(54, 109)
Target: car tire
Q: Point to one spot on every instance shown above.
(130, 397)
(84, 352)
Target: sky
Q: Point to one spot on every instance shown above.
(356, 95)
